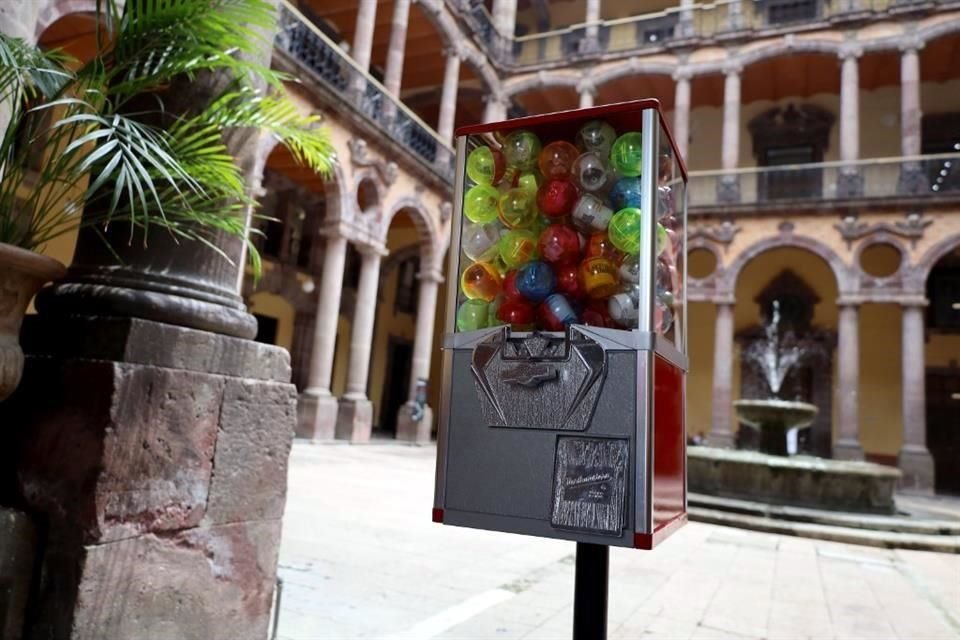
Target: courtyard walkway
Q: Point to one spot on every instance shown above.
(361, 559)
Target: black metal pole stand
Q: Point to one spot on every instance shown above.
(590, 592)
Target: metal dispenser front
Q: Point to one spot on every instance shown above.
(562, 408)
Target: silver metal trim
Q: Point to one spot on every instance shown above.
(648, 199)
(450, 323)
(643, 485)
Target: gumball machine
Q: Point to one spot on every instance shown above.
(564, 361)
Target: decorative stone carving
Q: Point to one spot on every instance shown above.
(360, 156)
(722, 233)
(786, 227)
(911, 228)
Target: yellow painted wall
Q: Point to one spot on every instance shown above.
(274, 306)
(880, 391)
(701, 319)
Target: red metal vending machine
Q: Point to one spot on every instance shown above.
(564, 363)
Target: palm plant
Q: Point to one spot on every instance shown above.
(113, 148)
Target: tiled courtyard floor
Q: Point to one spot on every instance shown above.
(360, 558)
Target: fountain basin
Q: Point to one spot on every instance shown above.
(774, 418)
(801, 481)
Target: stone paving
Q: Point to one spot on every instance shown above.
(361, 559)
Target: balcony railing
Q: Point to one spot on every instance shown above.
(656, 29)
(325, 63)
(929, 176)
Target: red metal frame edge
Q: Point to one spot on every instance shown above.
(648, 541)
(559, 116)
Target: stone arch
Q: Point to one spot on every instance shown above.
(785, 46)
(930, 32)
(846, 283)
(632, 66)
(334, 185)
(431, 245)
(542, 80)
(918, 274)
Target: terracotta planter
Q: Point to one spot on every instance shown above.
(22, 273)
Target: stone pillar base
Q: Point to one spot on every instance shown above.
(847, 450)
(316, 416)
(355, 420)
(916, 464)
(416, 431)
(157, 456)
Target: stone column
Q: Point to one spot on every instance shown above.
(849, 182)
(685, 27)
(848, 446)
(910, 113)
(408, 427)
(318, 407)
(448, 98)
(587, 94)
(912, 179)
(591, 39)
(728, 189)
(496, 107)
(505, 17)
(721, 433)
(398, 42)
(355, 419)
(734, 15)
(362, 44)
(915, 460)
(681, 112)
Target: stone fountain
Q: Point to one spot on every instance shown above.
(772, 475)
(775, 417)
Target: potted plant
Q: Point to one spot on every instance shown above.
(92, 144)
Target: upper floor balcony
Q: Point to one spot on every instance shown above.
(682, 25)
(324, 66)
(928, 178)
(803, 111)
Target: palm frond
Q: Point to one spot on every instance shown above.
(26, 71)
(158, 41)
(276, 114)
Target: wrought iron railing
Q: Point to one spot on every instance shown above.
(882, 178)
(328, 65)
(649, 30)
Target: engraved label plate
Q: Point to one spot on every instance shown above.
(589, 484)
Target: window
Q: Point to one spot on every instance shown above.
(408, 286)
(785, 11)
(789, 184)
